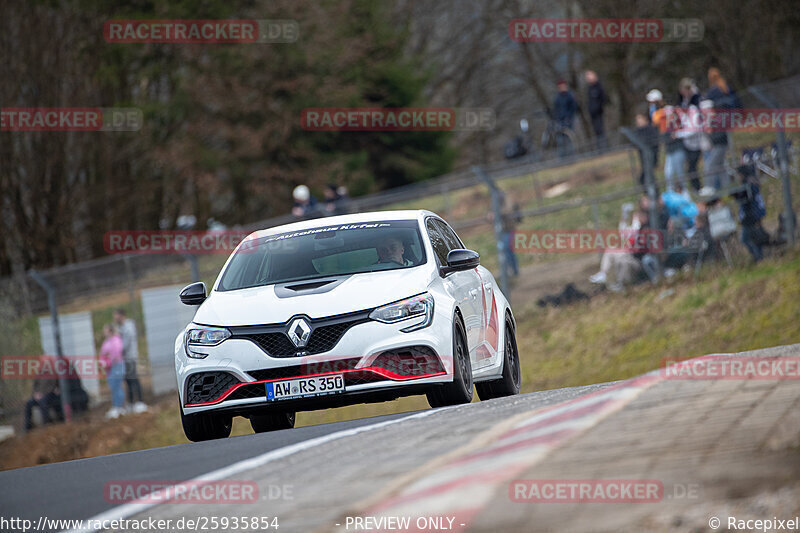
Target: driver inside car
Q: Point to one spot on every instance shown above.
(391, 251)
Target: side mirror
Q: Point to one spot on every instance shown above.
(194, 294)
(458, 260)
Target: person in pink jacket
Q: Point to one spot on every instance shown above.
(114, 365)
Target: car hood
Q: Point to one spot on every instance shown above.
(262, 305)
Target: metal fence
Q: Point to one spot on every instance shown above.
(101, 285)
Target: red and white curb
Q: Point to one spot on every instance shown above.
(459, 489)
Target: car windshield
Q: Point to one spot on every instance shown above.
(335, 250)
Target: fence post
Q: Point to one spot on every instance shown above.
(193, 264)
(649, 180)
(129, 275)
(445, 191)
(783, 165)
(596, 218)
(537, 187)
(496, 194)
(66, 405)
(632, 159)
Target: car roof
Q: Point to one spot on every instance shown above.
(406, 214)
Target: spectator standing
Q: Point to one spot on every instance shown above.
(596, 99)
(510, 218)
(305, 205)
(114, 365)
(564, 108)
(335, 199)
(689, 101)
(722, 98)
(669, 124)
(130, 354)
(649, 135)
(675, 152)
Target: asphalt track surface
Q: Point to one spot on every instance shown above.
(328, 468)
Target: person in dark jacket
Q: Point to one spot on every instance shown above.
(722, 98)
(564, 108)
(596, 99)
(45, 395)
(751, 211)
(649, 135)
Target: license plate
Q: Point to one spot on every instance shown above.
(305, 387)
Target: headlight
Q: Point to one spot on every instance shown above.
(417, 306)
(200, 336)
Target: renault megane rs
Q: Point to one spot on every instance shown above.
(348, 309)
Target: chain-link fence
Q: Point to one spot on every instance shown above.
(584, 190)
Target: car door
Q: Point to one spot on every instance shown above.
(489, 348)
(463, 286)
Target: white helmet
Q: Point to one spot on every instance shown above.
(301, 193)
(654, 96)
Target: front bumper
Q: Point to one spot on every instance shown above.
(377, 360)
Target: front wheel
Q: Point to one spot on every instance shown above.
(511, 380)
(272, 422)
(460, 390)
(206, 426)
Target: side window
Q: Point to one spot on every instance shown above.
(453, 242)
(440, 247)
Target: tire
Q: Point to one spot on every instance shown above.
(206, 426)
(272, 421)
(460, 390)
(509, 383)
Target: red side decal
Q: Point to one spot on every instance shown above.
(492, 331)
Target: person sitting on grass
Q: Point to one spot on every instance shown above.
(623, 262)
(45, 394)
(682, 210)
(686, 245)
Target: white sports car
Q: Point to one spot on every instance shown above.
(342, 310)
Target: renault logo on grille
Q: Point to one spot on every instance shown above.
(299, 332)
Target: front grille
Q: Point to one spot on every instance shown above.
(325, 338)
(325, 334)
(320, 367)
(208, 386)
(275, 344)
